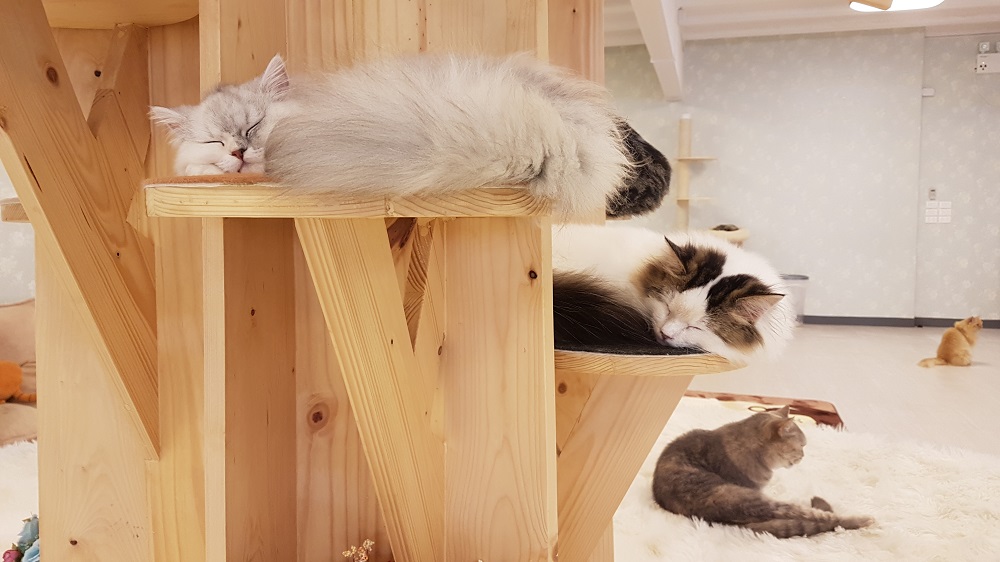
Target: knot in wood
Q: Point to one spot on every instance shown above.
(52, 75)
(319, 416)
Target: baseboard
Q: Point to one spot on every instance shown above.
(890, 322)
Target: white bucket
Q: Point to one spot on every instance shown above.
(797, 285)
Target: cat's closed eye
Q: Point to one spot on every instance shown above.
(213, 141)
(253, 127)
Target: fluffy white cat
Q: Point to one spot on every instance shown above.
(417, 124)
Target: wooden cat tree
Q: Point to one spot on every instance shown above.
(241, 372)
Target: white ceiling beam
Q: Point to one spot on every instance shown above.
(661, 32)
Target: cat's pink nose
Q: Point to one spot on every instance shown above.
(238, 153)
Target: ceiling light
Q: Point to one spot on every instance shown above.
(897, 5)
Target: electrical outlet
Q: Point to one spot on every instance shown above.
(984, 46)
(988, 63)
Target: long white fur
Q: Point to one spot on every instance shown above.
(442, 123)
(615, 253)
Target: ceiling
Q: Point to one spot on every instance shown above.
(664, 25)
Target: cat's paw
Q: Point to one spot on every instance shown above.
(230, 164)
(202, 170)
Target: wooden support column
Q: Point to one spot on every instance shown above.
(177, 481)
(249, 316)
(499, 391)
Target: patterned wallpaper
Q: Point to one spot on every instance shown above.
(958, 270)
(818, 140)
(17, 254)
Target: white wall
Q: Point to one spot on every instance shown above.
(818, 140)
(958, 270)
(17, 254)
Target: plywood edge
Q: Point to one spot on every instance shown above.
(11, 210)
(586, 362)
(218, 196)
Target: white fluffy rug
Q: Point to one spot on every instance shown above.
(18, 489)
(929, 503)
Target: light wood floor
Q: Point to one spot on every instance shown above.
(871, 375)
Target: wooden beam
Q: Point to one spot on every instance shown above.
(497, 373)
(619, 424)
(353, 273)
(249, 390)
(126, 78)
(576, 36)
(11, 210)
(209, 198)
(61, 176)
(662, 34)
(177, 481)
(641, 365)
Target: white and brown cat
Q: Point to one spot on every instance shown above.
(627, 289)
(956, 344)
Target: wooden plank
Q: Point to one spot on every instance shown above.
(91, 467)
(352, 270)
(576, 36)
(11, 210)
(495, 27)
(274, 201)
(572, 393)
(249, 390)
(499, 391)
(605, 549)
(104, 14)
(337, 500)
(617, 428)
(177, 481)
(400, 232)
(329, 34)
(126, 78)
(415, 287)
(84, 52)
(641, 365)
(60, 175)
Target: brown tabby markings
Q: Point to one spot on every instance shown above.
(956, 344)
(717, 476)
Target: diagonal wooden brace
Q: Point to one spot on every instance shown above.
(71, 187)
(354, 276)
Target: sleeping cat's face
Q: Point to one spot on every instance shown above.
(227, 131)
(692, 304)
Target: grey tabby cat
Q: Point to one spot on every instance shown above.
(717, 476)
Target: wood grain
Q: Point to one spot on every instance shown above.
(353, 273)
(605, 549)
(576, 36)
(106, 14)
(60, 174)
(91, 456)
(603, 453)
(641, 365)
(84, 52)
(249, 390)
(338, 506)
(499, 391)
(275, 201)
(177, 481)
(11, 210)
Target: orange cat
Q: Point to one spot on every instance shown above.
(956, 344)
(10, 384)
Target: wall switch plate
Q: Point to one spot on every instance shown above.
(930, 219)
(984, 46)
(944, 204)
(944, 212)
(944, 219)
(988, 63)
(931, 212)
(932, 204)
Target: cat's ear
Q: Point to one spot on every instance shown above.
(274, 80)
(786, 428)
(753, 307)
(674, 255)
(175, 120)
(781, 412)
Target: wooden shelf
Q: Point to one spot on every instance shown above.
(695, 158)
(11, 210)
(585, 362)
(255, 197)
(105, 14)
